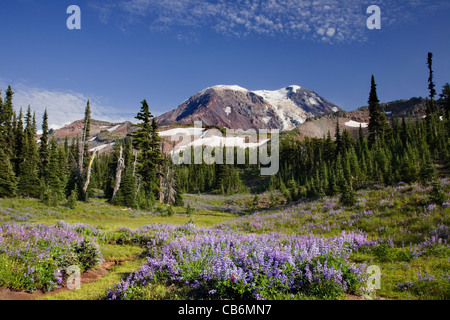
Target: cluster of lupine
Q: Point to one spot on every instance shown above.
(291, 218)
(41, 252)
(226, 264)
(82, 229)
(428, 286)
(10, 214)
(152, 233)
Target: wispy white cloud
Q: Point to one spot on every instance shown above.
(321, 20)
(63, 107)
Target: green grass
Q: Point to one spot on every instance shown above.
(99, 214)
(112, 252)
(98, 290)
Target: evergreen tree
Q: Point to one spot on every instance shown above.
(437, 194)
(445, 96)
(427, 169)
(329, 148)
(19, 140)
(29, 184)
(8, 182)
(72, 199)
(348, 196)
(86, 134)
(339, 147)
(53, 186)
(189, 210)
(376, 124)
(1, 120)
(347, 141)
(150, 160)
(431, 106)
(6, 123)
(43, 148)
(332, 185)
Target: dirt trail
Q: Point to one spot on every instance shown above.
(87, 277)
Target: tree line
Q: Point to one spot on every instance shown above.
(134, 175)
(404, 150)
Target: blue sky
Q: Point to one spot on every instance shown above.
(166, 51)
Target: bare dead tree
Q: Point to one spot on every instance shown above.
(168, 185)
(120, 167)
(88, 177)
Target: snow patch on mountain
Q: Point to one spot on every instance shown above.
(181, 131)
(355, 124)
(103, 146)
(289, 113)
(218, 141)
(114, 128)
(225, 87)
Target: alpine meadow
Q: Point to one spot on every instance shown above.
(94, 205)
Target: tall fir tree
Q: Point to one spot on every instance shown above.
(43, 148)
(127, 194)
(445, 96)
(8, 182)
(146, 141)
(376, 123)
(29, 184)
(431, 105)
(19, 140)
(6, 123)
(86, 134)
(338, 137)
(54, 186)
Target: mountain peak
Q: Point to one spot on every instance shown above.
(228, 87)
(235, 107)
(293, 87)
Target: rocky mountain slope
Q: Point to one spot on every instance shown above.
(318, 126)
(235, 107)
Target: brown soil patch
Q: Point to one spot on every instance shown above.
(87, 277)
(355, 297)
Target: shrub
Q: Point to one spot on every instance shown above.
(72, 199)
(437, 194)
(348, 197)
(170, 211)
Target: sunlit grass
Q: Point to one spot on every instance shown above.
(98, 290)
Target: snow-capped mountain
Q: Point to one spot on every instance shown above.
(235, 107)
(294, 105)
